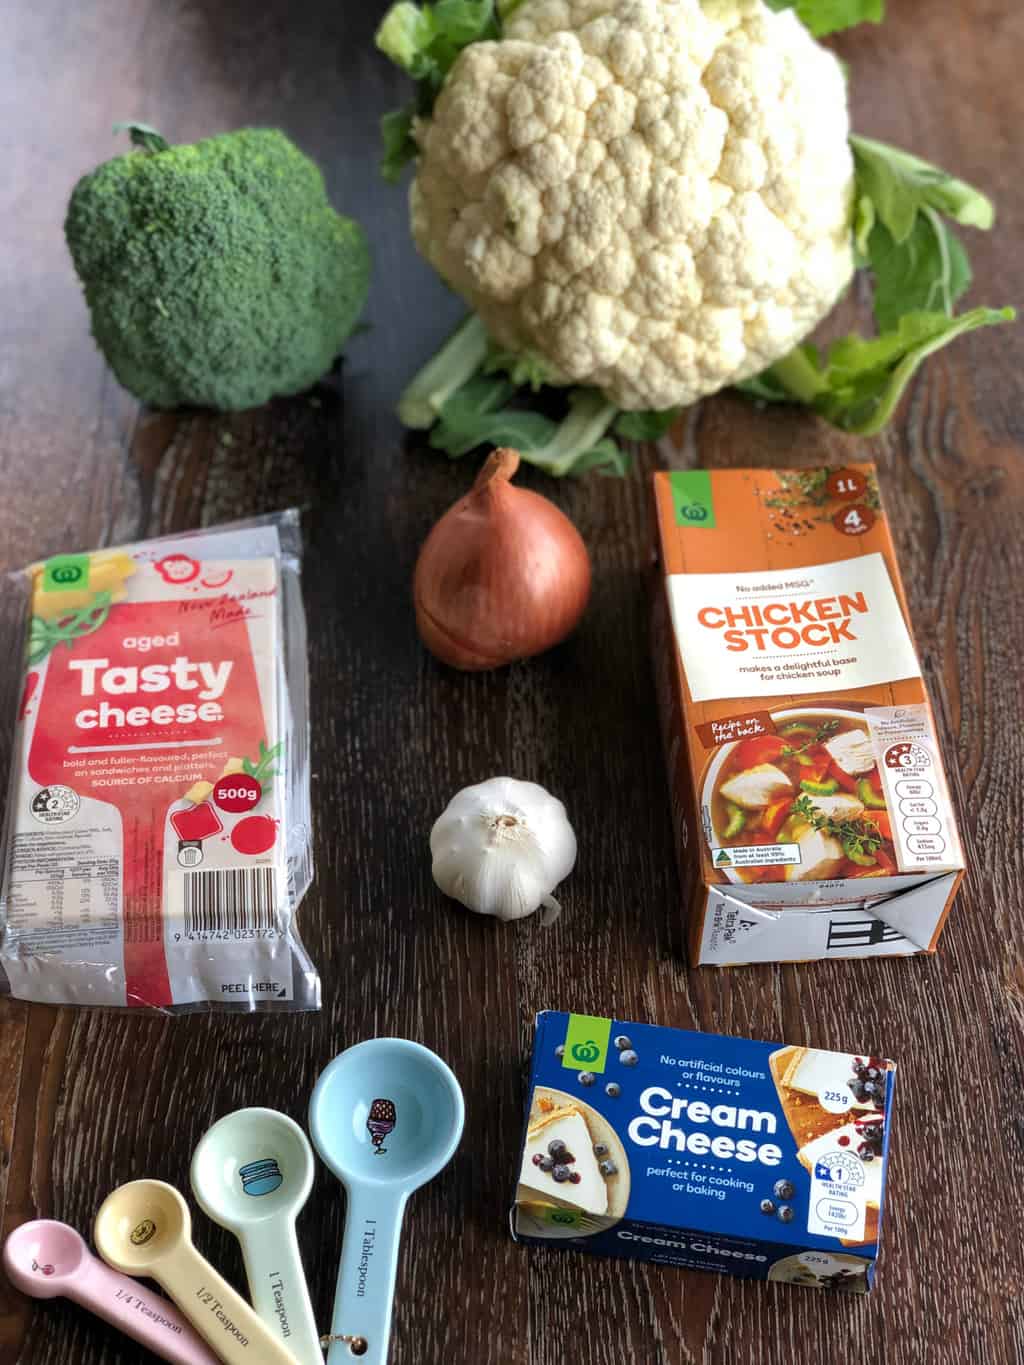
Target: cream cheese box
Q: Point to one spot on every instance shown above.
(708, 1152)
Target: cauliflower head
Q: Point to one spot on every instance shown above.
(653, 197)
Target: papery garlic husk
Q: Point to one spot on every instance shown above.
(502, 847)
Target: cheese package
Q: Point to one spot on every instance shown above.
(157, 841)
(712, 1153)
(810, 807)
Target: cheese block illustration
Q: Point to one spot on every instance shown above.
(822, 1270)
(802, 1076)
(574, 1179)
(849, 1138)
(806, 1118)
(559, 1161)
(810, 1072)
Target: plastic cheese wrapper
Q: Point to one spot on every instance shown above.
(157, 841)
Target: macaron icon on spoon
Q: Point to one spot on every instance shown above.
(252, 1173)
(386, 1088)
(144, 1228)
(49, 1260)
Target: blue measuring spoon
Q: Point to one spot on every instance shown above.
(386, 1117)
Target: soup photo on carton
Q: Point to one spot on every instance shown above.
(811, 810)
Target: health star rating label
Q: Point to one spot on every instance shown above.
(838, 1207)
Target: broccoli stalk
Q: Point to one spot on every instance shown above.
(145, 138)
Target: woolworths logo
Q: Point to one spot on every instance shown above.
(691, 495)
(563, 1218)
(65, 572)
(586, 1043)
(586, 1052)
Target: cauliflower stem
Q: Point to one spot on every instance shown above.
(462, 395)
(455, 364)
(645, 202)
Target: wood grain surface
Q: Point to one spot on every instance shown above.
(88, 1101)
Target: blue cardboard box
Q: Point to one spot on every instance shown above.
(702, 1151)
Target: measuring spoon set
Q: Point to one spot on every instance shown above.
(385, 1117)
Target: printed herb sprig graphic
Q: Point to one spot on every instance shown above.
(825, 731)
(45, 636)
(263, 770)
(860, 839)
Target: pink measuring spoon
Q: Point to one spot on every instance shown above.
(49, 1260)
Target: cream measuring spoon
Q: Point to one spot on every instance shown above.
(145, 1228)
(49, 1260)
(252, 1173)
(386, 1117)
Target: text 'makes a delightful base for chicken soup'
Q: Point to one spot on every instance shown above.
(810, 805)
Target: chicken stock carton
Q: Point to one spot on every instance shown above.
(811, 811)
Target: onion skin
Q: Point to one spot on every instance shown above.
(504, 575)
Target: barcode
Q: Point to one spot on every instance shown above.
(230, 899)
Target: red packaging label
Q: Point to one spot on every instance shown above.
(151, 741)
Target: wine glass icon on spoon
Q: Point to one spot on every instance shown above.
(381, 1120)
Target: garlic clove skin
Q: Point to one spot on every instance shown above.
(501, 847)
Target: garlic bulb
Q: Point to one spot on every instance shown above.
(502, 847)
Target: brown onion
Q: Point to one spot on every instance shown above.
(502, 576)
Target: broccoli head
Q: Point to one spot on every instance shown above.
(217, 274)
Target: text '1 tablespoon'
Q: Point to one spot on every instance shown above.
(386, 1117)
(252, 1173)
(49, 1260)
(145, 1228)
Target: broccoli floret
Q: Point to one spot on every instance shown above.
(217, 274)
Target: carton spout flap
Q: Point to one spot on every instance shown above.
(915, 914)
(747, 921)
(901, 924)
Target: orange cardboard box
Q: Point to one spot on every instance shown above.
(811, 810)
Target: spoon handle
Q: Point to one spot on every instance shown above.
(217, 1312)
(140, 1314)
(278, 1289)
(366, 1276)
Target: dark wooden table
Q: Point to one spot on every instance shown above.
(88, 1101)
